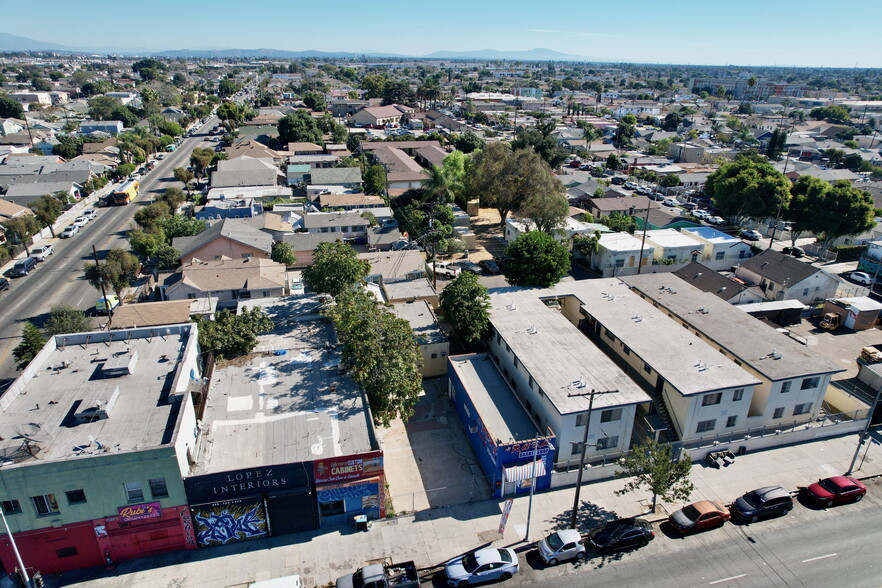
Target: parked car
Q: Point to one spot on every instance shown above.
(861, 278)
(761, 503)
(794, 251)
(483, 565)
(4, 284)
(751, 235)
(836, 490)
(105, 305)
(689, 205)
(41, 253)
(622, 534)
(23, 267)
(90, 213)
(671, 202)
(700, 214)
(629, 186)
(447, 270)
(69, 231)
(715, 220)
(618, 180)
(699, 516)
(468, 266)
(489, 266)
(561, 546)
(80, 221)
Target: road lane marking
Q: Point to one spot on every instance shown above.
(727, 579)
(820, 557)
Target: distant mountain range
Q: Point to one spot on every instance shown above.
(14, 43)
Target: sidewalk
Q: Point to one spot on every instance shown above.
(433, 536)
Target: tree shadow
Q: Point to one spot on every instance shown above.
(590, 517)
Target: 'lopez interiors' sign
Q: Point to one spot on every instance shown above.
(137, 512)
(341, 469)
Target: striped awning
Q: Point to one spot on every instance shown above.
(522, 472)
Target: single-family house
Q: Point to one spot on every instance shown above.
(348, 225)
(227, 280)
(783, 277)
(111, 127)
(601, 207)
(733, 291)
(395, 266)
(719, 250)
(346, 177)
(229, 238)
(431, 340)
(673, 248)
(245, 171)
(618, 254)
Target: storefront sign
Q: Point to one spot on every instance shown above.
(138, 512)
(226, 485)
(506, 510)
(341, 469)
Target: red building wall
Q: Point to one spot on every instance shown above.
(53, 550)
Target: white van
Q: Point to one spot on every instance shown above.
(286, 582)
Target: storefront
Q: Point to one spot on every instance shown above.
(144, 529)
(349, 486)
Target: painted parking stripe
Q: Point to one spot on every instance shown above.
(727, 579)
(820, 557)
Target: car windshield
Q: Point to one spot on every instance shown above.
(691, 513)
(554, 541)
(469, 563)
(504, 555)
(829, 486)
(752, 499)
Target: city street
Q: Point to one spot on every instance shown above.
(59, 279)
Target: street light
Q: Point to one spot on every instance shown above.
(863, 435)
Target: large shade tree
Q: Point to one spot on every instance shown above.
(335, 268)
(748, 187)
(465, 304)
(535, 259)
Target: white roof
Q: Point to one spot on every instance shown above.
(620, 242)
(671, 238)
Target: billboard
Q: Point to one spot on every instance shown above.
(342, 469)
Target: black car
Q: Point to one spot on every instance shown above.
(762, 502)
(4, 284)
(489, 266)
(618, 181)
(468, 266)
(794, 251)
(622, 534)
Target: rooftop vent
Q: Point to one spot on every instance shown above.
(120, 364)
(94, 408)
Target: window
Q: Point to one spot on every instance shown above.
(779, 412)
(647, 368)
(705, 426)
(609, 334)
(810, 383)
(266, 294)
(581, 419)
(577, 449)
(613, 414)
(75, 496)
(730, 422)
(530, 382)
(626, 349)
(11, 507)
(330, 509)
(134, 491)
(434, 356)
(721, 255)
(66, 552)
(738, 395)
(620, 263)
(804, 408)
(45, 504)
(608, 443)
(516, 363)
(247, 255)
(785, 387)
(498, 339)
(711, 399)
(805, 291)
(158, 488)
(742, 254)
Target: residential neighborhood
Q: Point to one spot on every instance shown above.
(445, 319)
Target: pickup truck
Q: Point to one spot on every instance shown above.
(382, 575)
(445, 270)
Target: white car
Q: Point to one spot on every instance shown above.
(700, 214)
(671, 202)
(751, 235)
(90, 213)
(715, 220)
(561, 546)
(41, 253)
(69, 231)
(80, 222)
(861, 278)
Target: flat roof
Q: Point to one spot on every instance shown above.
(861, 303)
(770, 353)
(409, 289)
(688, 363)
(622, 242)
(421, 319)
(561, 360)
(71, 375)
(291, 408)
(710, 234)
(502, 414)
(671, 238)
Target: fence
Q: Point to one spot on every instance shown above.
(820, 252)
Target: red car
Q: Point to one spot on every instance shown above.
(836, 490)
(699, 516)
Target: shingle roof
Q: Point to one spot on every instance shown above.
(778, 268)
(335, 175)
(234, 274)
(230, 229)
(707, 280)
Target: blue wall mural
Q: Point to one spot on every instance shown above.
(220, 523)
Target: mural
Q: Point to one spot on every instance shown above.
(220, 523)
(348, 492)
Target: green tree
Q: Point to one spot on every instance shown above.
(777, 144)
(146, 243)
(619, 223)
(335, 269)
(540, 139)
(669, 181)
(748, 186)
(374, 85)
(177, 225)
(47, 209)
(586, 245)
(147, 217)
(652, 467)
(283, 253)
(547, 211)
(465, 304)
(117, 270)
(536, 259)
(184, 176)
(835, 113)
(613, 162)
(314, 101)
(167, 257)
(101, 107)
(831, 212)
(64, 318)
(201, 159)
(469, 142)
(375, 180)
(21, 228)
(32, 341)
(68, 146)
(10, 108)
(231, 334)
(297, 127)
(672, 122)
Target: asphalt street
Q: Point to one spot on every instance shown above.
(59, 279)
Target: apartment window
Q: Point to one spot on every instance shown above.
(516, 363)
(805, 291)
(730, 422)
(11, 507)
(508, 347)
(530, 382)
(66, 552)
(434, 356)
(610, 415)
(738, 395)
(134, 492)
(191, 296)
(498, 339)
(443, 354)
(705, 426)
(620, 263)
(810, 383)
(626, 350)
(721, 255)
(647, 368)
(785, 387)
(158, 488)
(582, 419)
(779, 413)
(742, 254)
(266, 294)
(75, 496)
(247, 255)
(609, 334)
(711, 399)
(804, 408)
(607, 443)
(576, 449)
(45, 504)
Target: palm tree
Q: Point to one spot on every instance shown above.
(439, 186)
(589, 133)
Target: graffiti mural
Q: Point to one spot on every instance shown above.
(355, 491)
(235, 520)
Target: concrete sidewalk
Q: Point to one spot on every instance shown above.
(430, 537)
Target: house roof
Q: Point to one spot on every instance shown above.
(395, 264)
(350, 200)
(621, 204)
(317, 220)
(249, 273)
(335, 175)
(779, 268)
(148, 314)
(251, 148)
(11, 209)
(303, 147)
(228, 228)
(708, 280)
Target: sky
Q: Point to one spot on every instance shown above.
(701, 32)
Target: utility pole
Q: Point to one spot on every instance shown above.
(24, 571)
(784, 173)
(643, 241)
(863, 435)
(533, 483)
(591, 396)
(103, 291)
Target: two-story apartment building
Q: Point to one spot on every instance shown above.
(719, 251)
(618, 254)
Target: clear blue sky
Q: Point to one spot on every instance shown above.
(739, 32)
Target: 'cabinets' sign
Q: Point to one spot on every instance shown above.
(136, 512)
(340, 469)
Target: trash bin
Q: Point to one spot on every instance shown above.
(742, 450)
(361, 523)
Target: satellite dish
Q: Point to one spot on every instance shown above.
(32, 432)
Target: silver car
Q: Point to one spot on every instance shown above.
(562, 546)
(483, 565)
